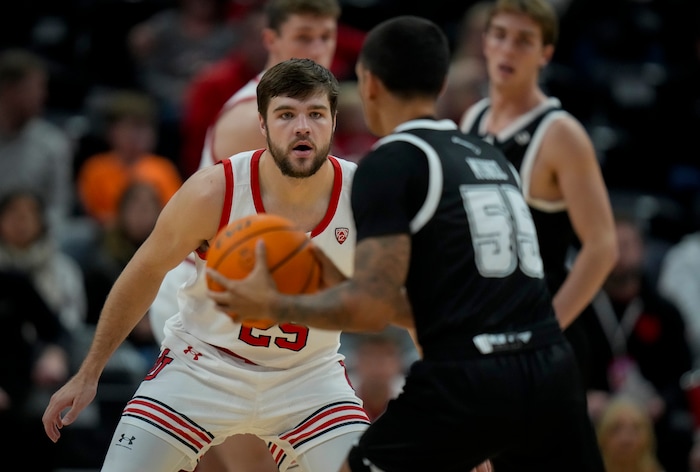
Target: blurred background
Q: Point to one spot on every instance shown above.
(629, 70)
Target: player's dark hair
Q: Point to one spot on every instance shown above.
(279, 11)
(298, 79)
(409, 54)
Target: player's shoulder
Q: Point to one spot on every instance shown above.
(343, 163)
(564, 130)
(239, 112)
(346, 168)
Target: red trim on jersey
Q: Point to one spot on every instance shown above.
(335, 192)
(335, 197)
(255, 181)
(228, 196)
(228, 201)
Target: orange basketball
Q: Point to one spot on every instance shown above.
(290, 258)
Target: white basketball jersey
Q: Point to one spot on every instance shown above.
(246, 93)
(280, 346)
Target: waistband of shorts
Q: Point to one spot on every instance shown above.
(233, 354)
(522, 339)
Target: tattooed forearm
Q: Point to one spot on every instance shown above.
(369, 301)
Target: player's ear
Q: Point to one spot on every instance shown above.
(374, 85)
(263, 125)
(547, 53)
(367, 86)
(268, 38)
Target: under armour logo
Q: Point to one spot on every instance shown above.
(130, 440)
(194, 353)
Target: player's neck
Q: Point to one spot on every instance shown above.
(510, 103)
(395, 112)
(304, 200)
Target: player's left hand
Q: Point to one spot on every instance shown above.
(249, 298)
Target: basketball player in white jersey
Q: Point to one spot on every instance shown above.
(294, 29)
(215, 378)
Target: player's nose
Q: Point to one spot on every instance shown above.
(303, 125)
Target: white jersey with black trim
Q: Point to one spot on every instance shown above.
(245, 94)
(280, 346)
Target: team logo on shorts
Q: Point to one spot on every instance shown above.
(341, 234)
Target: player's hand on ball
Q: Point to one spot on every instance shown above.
(248, 298)
(330, 274)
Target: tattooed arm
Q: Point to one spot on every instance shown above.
(369, 301)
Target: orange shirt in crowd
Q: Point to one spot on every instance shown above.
(104, 177)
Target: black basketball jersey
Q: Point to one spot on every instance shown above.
(475, 262)
(520, 142)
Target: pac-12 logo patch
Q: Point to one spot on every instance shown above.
(341, 234)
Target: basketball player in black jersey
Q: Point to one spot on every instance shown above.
(560, 174)
(447, 244)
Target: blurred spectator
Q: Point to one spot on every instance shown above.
(34, 153)
(26, 246)
(638, 348)
(377, 371)
(468, 41)
(626, 438)
(37, 345)
(210, 89)
(679, 281)
(467, 80)
(138, 210)
(466, 84)
(347, 48)
(131, 136)
(172, 47)
(352, 138)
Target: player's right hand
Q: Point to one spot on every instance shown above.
(74, 395)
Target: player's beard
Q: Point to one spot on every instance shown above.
(285, 165)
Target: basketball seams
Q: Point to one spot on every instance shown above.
(224, 254)
(311, 276)
(290, 257)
